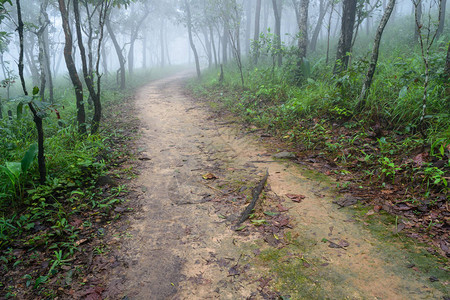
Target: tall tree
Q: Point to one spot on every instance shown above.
(191, 40)
(277, 9)
(257, 32)
(37, 117)
(87, 70)
(323, 7)
(374, 58)
(443, 6)
(81, 114)
(345, 40)
(301, 12)
(118, 52)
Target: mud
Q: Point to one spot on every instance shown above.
(179, 247)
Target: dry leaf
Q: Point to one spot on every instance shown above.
(295, 198)
(209, 176)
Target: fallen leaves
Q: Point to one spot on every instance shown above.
(295, 197)
(209, 176)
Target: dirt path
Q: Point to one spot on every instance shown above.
(181, 247)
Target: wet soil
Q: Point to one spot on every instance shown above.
(181, 243)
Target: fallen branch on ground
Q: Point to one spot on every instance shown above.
(255, 193)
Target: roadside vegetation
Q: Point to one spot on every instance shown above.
(44, 228)
(383, 151)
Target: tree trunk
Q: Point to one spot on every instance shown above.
(301, 12)
(329, 31)
(191, 41)
(88, 79)
(213, 44)
(441, 18)
(161, 39)
(322, 12)
(207, 46)
(418, 11)
(277, 7)
(248, 27)
(345, 41)
(37, 119)
(374, 58)
(144, 52)
(447, 65)
(81, 115)
(118, 52)
(257, 32)
(225, 44)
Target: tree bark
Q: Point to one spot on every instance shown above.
(213, 44)
(447, 64)
(301, 12)
(374, 58)
(225, 44)
(36, 118)
(442, 18)
(118, 52)
(88, 79)
(81, 114)
(345, 40)
(248, 27)
(329, 31)
(161, 39)
(191, 41)
(322, 12)
(277, 8)
(257, 32)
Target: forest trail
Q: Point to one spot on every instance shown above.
(181, 247)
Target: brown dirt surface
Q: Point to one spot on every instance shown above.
(196, 176)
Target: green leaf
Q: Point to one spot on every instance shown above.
(35, 91)
(258, 222)
(403, 92)
(29, 157)
(14, 167)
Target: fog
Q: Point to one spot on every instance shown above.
(154, 34)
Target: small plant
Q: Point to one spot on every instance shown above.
(389, 168)
(434, 176)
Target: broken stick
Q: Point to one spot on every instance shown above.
(255, 193)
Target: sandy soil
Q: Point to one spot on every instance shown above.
(179, 247)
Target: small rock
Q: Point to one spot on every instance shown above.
(285, 155)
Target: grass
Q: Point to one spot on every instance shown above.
(50, 220)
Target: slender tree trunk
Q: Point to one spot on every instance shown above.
(442, 18)
(248, 27)
(191, 41)
(301, 11)
(329, 31)
(447, 64)
(207, 46)
(277, 7)
(225, 44)
(37, 119)
(118, 52)
(322, 12)
(374, 58)
(213, 44)
(81, 115)
(144, 52)
(257, 32)
(418, 12)
(161, 39)
(88, 79)
(345, 41)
